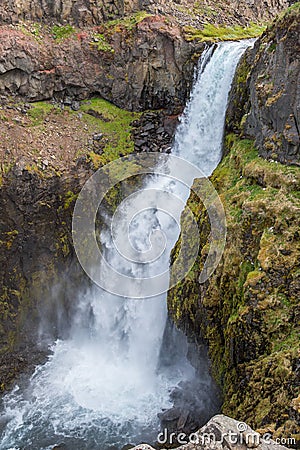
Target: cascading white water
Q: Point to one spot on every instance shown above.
(101, 388)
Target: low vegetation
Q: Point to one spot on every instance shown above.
(126, 23)
(100, 42)
(215, 33)
(115, 125)
(247, 310)
(60, 32)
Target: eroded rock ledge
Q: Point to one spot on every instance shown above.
(148, 66)
(92, 12)
(266, 96)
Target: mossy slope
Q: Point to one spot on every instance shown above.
(248, 310)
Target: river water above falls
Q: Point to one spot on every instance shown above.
(105, 385)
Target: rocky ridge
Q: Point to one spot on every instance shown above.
(197, 14)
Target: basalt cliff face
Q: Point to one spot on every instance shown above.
(269, 80)
(93, 12)
(248, 311)
(143, 65)
(80, 12)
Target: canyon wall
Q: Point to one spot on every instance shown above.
(93, 12)
(248, 311)
(79, 12)
(146, 65)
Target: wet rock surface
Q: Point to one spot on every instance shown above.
(35, 249)
(249, 310)
(38, 191)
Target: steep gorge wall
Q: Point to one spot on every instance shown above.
(93, 12)
(38, 267)
(248, 311)
(78, 12)
(267, 92)
(148, 66)
(230, 12)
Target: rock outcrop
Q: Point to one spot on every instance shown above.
(79, 12)
(47, 152)
(231, 12)
(271, 79)
(148, 65)
(35, 250)
(221, 432)
(93, 12)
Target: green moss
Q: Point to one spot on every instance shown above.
(247, 310)
(126, 23)
(63, 245)
(272, 47)
(34, 30)
(60, 32)
(115, 124)
(101, 43)
(215, 33)
(98, 116)
(200, 8)
(39, 111)
(70, 198)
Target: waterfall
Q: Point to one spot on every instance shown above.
(104, 386)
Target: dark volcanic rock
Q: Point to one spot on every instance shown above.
(255, 361)
(91, 12)
(148, 67)
(154, 132)
(266, 92)
(79, 12)
(36, 254)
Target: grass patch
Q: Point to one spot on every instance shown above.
(115, 124)
(101, 43)
(215, 33)
(128, 23)
(40, 111)
(99, 116)
(60, 32)
(32, 29)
